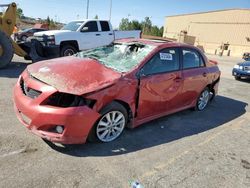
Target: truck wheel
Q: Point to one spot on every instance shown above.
(6, 50)
(24, 38)
(68, 50)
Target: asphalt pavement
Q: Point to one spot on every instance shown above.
(187, 149)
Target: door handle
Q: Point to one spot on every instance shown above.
(110, 33)
(204, 74)
(97, 34)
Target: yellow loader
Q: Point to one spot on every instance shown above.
(7, 46)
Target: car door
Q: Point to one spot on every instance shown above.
(160, 84)
(194, 75)
(107, 35)
(90, 36)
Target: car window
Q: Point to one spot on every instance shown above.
(166, 60)
(192, 59)
(105, 26)
(92, 27)
(73, 26)
(31, 31)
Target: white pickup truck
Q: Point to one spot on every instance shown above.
(81, 35)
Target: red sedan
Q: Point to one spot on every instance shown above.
(95, 94)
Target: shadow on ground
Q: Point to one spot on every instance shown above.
(163, 130)
(13, 70)
(246, 80)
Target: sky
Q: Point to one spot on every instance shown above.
(67, 10)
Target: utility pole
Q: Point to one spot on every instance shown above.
(87, 16)
(110, 11)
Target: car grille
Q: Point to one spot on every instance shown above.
(32, 93)
(247, 68)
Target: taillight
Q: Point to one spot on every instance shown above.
(213, 62)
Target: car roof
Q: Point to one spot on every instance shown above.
(157, 43)
(85, 20)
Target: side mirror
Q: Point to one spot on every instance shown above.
(84, 29)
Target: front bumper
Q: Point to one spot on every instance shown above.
(52, 51)
(241, 73)
(41, 119)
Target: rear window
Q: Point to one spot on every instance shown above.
(105, 26)
(192, 59)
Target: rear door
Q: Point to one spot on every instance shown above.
(90, 36)
(160, 84)
(195, 75)
(107, 35)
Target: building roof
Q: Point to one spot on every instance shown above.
(244, 9)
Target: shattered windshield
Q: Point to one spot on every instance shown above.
(73, 26)
(121, 57)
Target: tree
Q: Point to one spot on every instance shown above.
(52, 24)
(147, 26)
(161, 31)
(135, 25)
(48, 21)
(124, 25)
(96, 17)
(19, 13)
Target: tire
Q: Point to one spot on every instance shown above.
(105, 130)
(68, 50)
(24, 38)
(237, 77)
(7, 50)
(203, 100)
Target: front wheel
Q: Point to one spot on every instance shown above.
(111, 124)
(203, 100)
(68, 50)
(237, 77)
(24, 38)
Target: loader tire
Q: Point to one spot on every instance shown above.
(6, 51)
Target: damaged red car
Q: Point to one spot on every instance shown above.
(96, 93)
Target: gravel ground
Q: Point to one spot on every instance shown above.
(187, 149)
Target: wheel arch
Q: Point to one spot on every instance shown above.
(211, 87)
(126, 106)
(73, 43)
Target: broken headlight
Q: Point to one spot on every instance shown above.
(65, 100)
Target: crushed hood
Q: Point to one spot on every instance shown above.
(74, 75)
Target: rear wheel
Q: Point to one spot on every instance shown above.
(203, 100)
(111, 124)
(68, 50)
(6, 50)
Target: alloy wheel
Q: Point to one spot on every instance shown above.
(203, 99)
(110, 126)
